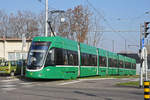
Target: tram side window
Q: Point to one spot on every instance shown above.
(88, 59)
(102, 61)
(110, 60)
(120, 64)
(128, 65)
(50, 61)
(72, 57)
(86, 63)
(65, 57)
(75, 57)
(59, 56)
(134, 66)
(115, 63)
(94, 60)
(84, 59)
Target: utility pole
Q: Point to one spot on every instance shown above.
(113, 46)
(23, 45)
(143, 51)
(141, 60)
(125, 46)
(46, 17)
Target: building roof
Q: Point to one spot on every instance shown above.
(14, 39)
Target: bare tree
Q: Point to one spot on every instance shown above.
(24, 22)
(4, 21)
(76, 24)
(79, 25)
(41, 23)
(31, 24)
(95, 32)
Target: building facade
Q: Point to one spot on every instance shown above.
(12, 49)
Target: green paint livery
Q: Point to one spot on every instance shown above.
(77, 69)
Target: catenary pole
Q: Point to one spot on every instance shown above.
(46, 18)
(141, 59)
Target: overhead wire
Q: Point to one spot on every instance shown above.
(106, 21)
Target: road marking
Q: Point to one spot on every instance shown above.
(7, 86)
(28, 86)
(9, 80)
(8, 89)
(9, 77)
(129, 79)
(25, 83)
(96, 79)
(80, 80)
(69, 83)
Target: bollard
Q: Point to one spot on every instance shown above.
(146, 90)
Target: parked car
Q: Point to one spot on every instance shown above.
(12, 67)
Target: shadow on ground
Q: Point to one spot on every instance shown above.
(25, 79)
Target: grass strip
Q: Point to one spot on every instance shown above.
(132, 83)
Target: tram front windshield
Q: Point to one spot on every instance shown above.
(37, 54)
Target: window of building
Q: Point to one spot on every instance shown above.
(11, 56)
(17, 56)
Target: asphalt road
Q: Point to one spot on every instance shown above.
(93, 89)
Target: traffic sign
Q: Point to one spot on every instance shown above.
(143, 43)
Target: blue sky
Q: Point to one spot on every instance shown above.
(120, 15)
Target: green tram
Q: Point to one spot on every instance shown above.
(60, 58)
